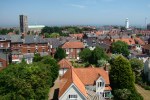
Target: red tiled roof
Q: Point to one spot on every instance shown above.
(147, 46)
(140, 41)
(89, 75)
(77, 35)
(64, 63)
(73, 44)
(67, 79)
(129, 41)
(108, 88)
(81, 77)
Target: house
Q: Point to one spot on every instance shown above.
(72, 49)
(64, 65)
(85, 84)
(4, 59)
(146, 49)
(21, 45)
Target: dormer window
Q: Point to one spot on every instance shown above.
(100, 84)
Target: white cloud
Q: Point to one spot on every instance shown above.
(78, 6)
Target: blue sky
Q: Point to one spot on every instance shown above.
(75, 12)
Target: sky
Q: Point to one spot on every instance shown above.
(75, 12)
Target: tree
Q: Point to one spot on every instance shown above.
(25, 82)
(85, 54)
(123, 94)
(54, 35)
(120, 47)
(37, 57)
(54, 67)
(101, 62)
(60, 54)
(136, 64)
(97, 54)
(121, 75)
(71, 30)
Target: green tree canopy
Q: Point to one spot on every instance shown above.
(37, 57)
(54, 35)
(121, 78)
(25, 82)
(85, 54)
(120, 47)
(60, 54)
(121, 75)
(136, 64)
(92, 57)
(98, 54)
(54, 67)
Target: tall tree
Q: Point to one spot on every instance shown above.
(120, 47)
(60, 54)
(121, 75)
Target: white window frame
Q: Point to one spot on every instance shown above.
(73, 97)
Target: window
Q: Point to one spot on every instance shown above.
(8, 44)
(100, 84)
(28, 51)
(73, 97)
(1, 64)
(1, 44)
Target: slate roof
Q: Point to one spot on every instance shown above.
(27, 39)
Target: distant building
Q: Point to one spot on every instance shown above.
(23, 24)
(148, 27)
(127, 23)
(35, 28)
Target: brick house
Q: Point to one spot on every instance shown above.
(72, 49)
(3, 60)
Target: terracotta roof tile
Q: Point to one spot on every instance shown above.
(108, 88)
(73, 44)
(67, 79)
(81, 77)
(64, 63)
(139, 41)
(89, 75)
(129, 41)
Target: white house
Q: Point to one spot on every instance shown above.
(64, 65)
(85, 84)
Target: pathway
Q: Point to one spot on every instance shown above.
(143, 92)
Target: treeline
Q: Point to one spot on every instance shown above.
(5, 31)
(64, 31)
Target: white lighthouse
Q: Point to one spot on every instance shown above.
(127, 23)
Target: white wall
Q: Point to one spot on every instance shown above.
(74, 91)
(62, 71)
(100, 89)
